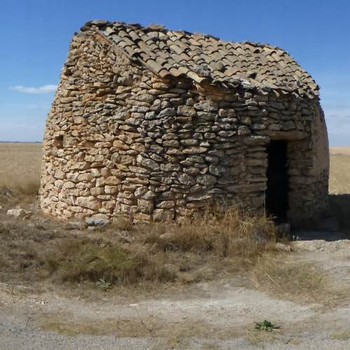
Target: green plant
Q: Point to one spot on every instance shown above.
(266, 326)
(103, 284)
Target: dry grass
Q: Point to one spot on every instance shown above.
(339, 182)
(195, 250)
(64, 323)
(82, 259)
(300, 282)
(258, 338)
(19, 172)
(20, 166)
(228, 233)
(167, 335)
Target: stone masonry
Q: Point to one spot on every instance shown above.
(154, 125)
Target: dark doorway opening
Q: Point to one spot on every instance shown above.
(277, 181)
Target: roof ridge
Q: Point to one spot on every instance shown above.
(162, 28)
(206, 58)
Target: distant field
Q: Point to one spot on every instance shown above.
(345, 151)
(20, 166)
(339, 182)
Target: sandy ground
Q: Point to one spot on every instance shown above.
(218, 315)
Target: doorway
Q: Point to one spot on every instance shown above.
(277, 181)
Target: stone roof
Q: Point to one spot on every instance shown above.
(204, 58)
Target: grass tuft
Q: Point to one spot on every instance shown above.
(78, 260)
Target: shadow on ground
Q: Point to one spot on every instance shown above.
(340, 209)
(307, 235)
(336, 227)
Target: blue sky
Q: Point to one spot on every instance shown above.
(35, 37)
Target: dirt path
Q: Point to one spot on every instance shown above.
(214, 315)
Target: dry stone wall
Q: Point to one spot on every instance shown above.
(121, 141)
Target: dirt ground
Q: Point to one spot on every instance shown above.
(209, 315)
(219, 313)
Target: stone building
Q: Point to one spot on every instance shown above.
(155, 124)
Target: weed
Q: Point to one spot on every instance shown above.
(103, 285)
(266, 326)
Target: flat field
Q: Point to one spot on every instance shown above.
(20, 165)
(339, 180)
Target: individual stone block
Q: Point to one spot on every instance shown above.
(145, 206)
(206, 180)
